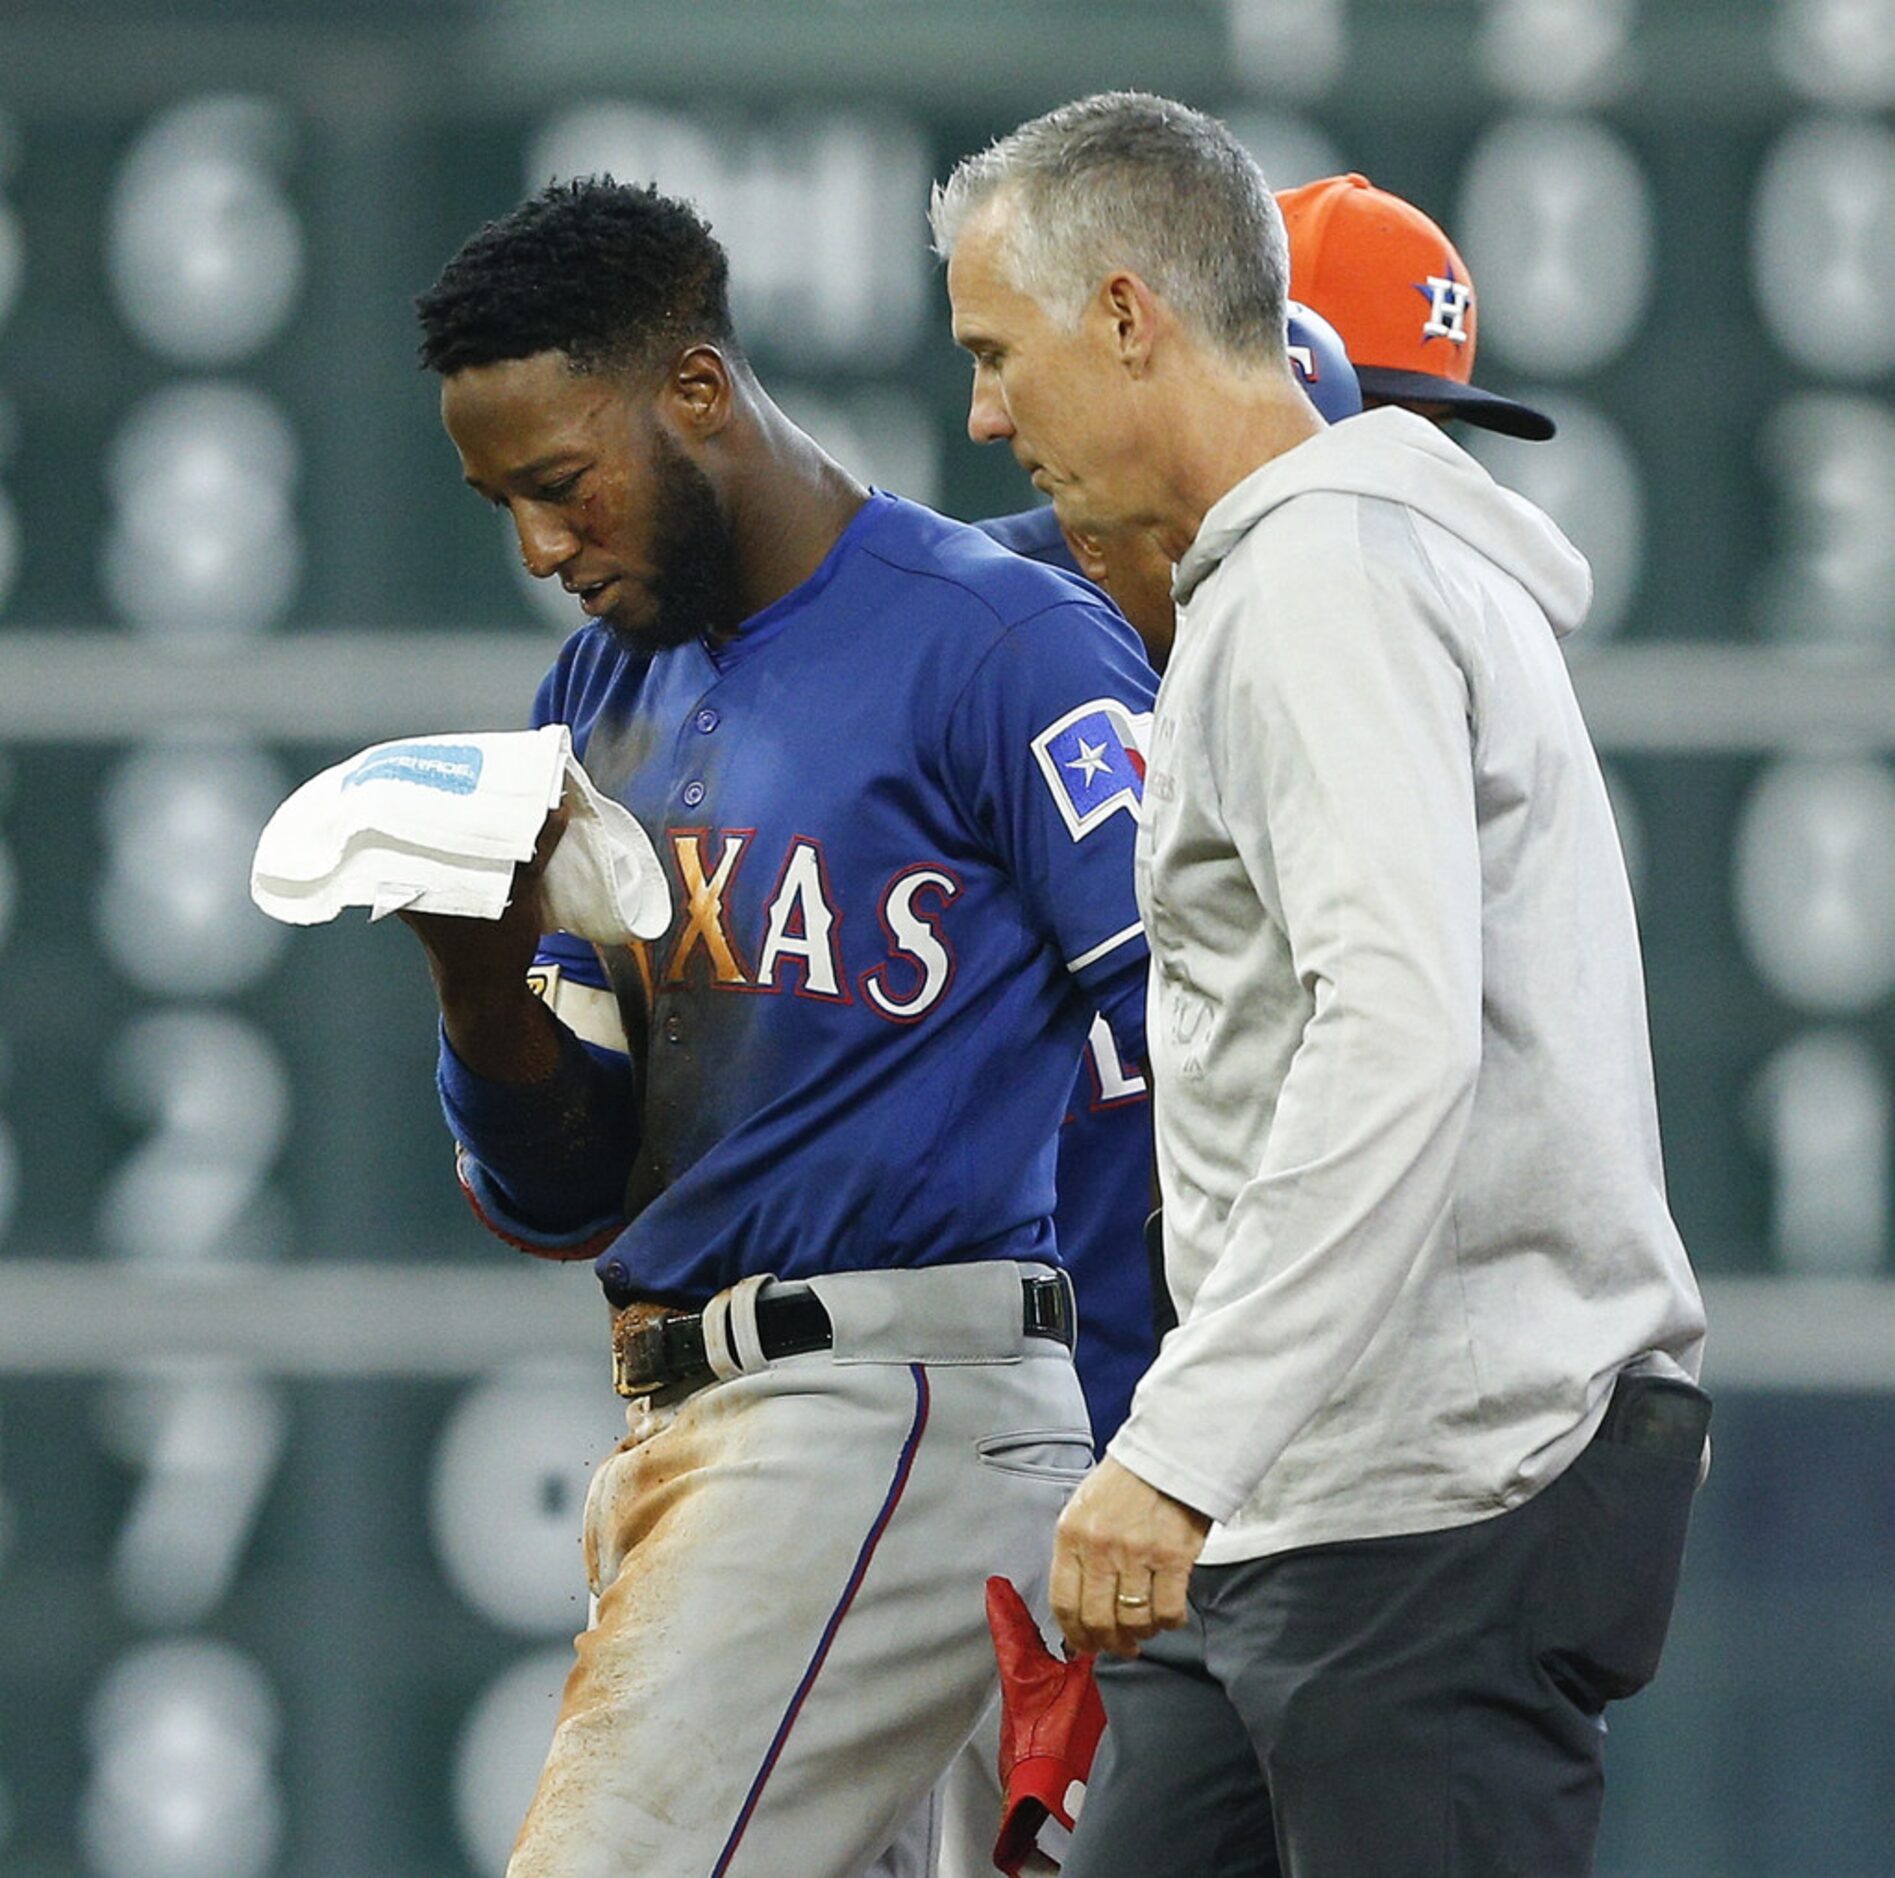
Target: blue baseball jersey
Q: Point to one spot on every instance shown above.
(1105, 1153)
(1034, 533)
(897, 811)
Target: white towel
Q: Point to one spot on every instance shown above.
(437, 824)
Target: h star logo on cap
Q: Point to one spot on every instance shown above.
(1448, 303)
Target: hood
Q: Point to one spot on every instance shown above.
(1393, 454)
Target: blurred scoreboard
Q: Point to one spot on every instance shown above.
(288, 1612)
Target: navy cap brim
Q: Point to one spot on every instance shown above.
(1467, 402)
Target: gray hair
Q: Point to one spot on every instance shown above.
(1125, 179)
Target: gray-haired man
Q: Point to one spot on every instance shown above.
(1411, 1478)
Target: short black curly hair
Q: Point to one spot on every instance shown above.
(610, 274)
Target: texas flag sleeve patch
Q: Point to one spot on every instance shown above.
(1093, 761)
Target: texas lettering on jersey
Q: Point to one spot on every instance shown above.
(797, 943)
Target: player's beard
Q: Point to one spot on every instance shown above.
(693, 592)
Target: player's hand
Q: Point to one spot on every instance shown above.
(1122, 1557)
(479, 966)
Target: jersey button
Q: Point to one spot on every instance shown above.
(674, 1028)
(693, 794)
(707, 720)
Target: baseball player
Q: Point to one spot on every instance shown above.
(808, 1138)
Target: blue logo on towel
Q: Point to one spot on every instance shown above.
(454, 767)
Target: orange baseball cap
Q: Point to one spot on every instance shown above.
(1392, 284)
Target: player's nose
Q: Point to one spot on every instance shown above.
(547, 543)
(988, 420)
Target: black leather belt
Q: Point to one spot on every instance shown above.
(1660, 1414)
(655, 1348)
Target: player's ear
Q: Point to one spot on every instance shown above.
(1129, 312)
(696, 393)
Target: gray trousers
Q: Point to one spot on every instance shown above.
(790, 1643)
(1427, 1706)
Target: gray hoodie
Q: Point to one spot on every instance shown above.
(1415, 1219)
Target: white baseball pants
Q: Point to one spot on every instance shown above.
(790, 1642)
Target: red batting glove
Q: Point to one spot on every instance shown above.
(1051, 1719)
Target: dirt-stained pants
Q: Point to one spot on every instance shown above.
(790, 1642)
